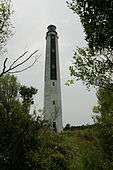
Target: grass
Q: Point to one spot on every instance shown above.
(84, 148)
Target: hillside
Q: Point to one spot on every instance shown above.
(81, 150)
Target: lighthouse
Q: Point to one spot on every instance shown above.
(52, 88)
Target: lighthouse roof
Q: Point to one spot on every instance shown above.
(51, 28)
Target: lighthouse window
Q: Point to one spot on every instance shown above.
(53, 72)
(53, 50)
(53, 83)
(54, 126)
(53, 102)
(53, 66)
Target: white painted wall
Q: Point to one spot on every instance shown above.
(52, 112)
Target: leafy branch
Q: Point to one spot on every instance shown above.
(92, 69)
(5, 25)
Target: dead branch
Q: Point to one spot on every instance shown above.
(18, 59)
(26, 68)
(14, 65)
(23, 61)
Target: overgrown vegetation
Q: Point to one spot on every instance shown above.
(96, 18)
(93, 69)
(26, 143)
(104, 116)
(87, 153)
(94, 66)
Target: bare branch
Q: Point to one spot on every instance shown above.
(18, 58)
(9, 70)
(18, 71)
(24, 60)
(5, 64)
(4, 67)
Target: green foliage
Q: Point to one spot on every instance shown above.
(67, 127)
(69, 82)
(105, 120)
(25, 142)
(27, 94)
(5, 25)
(58, 161)
(96, 70)
(94, 66)
(52, 154)
(17, 128)
(93, 69)
(9, 88)
(96, 18)
(5, 34)
(87, 153)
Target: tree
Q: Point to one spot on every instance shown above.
(10, 90)
(24, 142)
(5, 25)
(5, 33)
(27, 96)
(67, 127)
(17, 63)
(93, 69)
(94, 65)
(96, 18)
(104, 120)
(17, 128)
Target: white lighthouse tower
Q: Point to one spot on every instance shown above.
(52, 89)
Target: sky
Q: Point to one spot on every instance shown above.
(30, 20)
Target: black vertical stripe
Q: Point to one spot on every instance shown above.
(53, 70)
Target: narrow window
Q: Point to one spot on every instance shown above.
(53, 102)
(53, 83)
(53, 68)
(54, 126)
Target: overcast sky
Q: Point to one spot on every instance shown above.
(30, 19)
